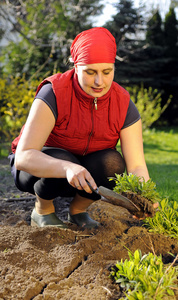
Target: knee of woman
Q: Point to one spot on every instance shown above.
(60, 154)
(113, 162)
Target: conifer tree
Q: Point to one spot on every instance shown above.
(171, 66)
(127, 21)
(171, 32)
(155, 34)
(151, 62)
(124, 26)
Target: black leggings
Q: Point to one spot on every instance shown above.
(101, 165)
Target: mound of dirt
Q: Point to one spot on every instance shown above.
(51, 263)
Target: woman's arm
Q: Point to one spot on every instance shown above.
(30, 159)
(132, 150)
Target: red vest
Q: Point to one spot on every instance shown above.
(80, 127)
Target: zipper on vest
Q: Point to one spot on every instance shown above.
(91, 132)
(95, 103)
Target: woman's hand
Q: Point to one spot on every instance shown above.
(77, 176)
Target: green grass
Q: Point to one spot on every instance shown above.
(161, 155)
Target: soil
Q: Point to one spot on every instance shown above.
(68, 264)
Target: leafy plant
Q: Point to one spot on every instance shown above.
(16, 96)
(6, 250)
(165, 220)
(144, 277)
(132, 183)
(148, 102)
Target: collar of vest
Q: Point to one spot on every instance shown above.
(84, 97)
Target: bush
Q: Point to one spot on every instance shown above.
(133, 183)
(16, 96)
(148, 102)
(165, 220)
(144, 277)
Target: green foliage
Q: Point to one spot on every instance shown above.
(165, 220)
(45, 30)
(148, 102)
(19, 54)
(155, 34)
(161, 148)
(126, 21)
(16, 96)
(37, 25)
(135, 184)
(144, 277)
(171, 32)
(147, 54)
(5, 149)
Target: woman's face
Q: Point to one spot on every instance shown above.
(95, 79)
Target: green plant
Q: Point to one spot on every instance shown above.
(16, 96)
(165, 220)
(148, 102)
(161, 148)
(136, 184)
(6, 250)
(144, 277)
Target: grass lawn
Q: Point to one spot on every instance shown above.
(161, 154)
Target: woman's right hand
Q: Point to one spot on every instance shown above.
(77, 176)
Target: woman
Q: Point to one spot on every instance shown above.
(70, 135)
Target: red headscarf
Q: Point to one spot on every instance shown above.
(96, 45)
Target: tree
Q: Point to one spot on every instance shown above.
(46, 29)
(126, 22)
(171, 67)
(152, 55)
(158, 61)
(147, 58)
(126, 26)
(171, 32)
(154, 34)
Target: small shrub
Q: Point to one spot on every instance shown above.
(16, 96)
(148, 102)
(132, 183)
(165, 220)
(144, 277)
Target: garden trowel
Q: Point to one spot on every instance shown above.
(110, 196)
